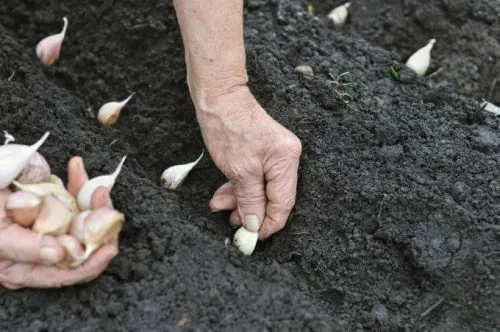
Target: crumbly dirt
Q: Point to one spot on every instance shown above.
(397, 218)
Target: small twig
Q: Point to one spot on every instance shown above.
(440, 69)
(381, 207)
(11, 76)
(8, 137)
(492, 88)
(493, 227)
(432, 307)
(114, 141)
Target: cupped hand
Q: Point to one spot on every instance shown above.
(259, 157)
(27, 260)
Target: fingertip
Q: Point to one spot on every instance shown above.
(77, 175)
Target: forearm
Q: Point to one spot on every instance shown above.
(212, 32)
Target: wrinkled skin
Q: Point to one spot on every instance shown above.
(21, 262)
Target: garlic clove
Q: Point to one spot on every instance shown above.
(54, 217)
(305, 71)
(49, 48)
(14, 158)
(85, 194)
(173, 176)
(73, 250)
(101, 226)
(56, 180)
(48, 188)
(37, 170)
(109, 113)
(77, 227)
(339, 15)
(23, 207)
(420, 60)
(245, 240)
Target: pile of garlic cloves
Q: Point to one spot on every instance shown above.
(39, 201)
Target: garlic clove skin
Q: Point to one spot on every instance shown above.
(420, 60)
(101, 226)
(49, 188)
(49, 48)
(37, 171)
(73, 250)
(245, 240)
(173, 176)
(109, 113)
(14, 158)
(77, 227)
(305, 71)
(54, 217)
(339, 15)
(56, 180)
(85, 194)
(23, 207)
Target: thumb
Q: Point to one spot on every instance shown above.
(21, 245)
(251, 201)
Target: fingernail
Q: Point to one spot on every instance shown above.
(252, 223)
(215, 210)
(49, 255)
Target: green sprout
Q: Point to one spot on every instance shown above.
(310, 9)
(394, 72)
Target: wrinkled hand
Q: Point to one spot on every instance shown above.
(26, 260)
(259, 157)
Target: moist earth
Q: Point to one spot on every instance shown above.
(396, 226)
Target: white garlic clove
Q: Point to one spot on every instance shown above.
(73, 250)
(101, 226)
(14, 158)
(56, 180)
(49, 188)
(339, 15)
(420, 60)
(77, 227)
(109, 113)
(54, 217)
(85, 194)
(37, 171)
(245, 240)
(173, 176)
(23, 207)
(49, 48)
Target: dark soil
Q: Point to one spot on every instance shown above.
(398, 189)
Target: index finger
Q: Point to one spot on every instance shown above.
(281, 193)
(77, 175)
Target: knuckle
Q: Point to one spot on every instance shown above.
(293, 146)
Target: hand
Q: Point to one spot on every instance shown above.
(28, 261)
(259, 157)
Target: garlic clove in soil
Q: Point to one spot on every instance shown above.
(49, 188)
(245, 240)
(49, 48)
(77, 227)
(173, 176)
(108, 181)
(109, 113)
(73, 250)
(37, 171)
(101, 226)
(14, 158)
(54, 217)
(420, 60)
(23, 207)
(339, 15)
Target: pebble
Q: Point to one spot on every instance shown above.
(460, 191)
(390, 152)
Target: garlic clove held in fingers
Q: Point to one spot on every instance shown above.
(56, 180)
(420, 60)
(109, 113)
(173, 176)
(14, 158)
(49, 48)
(77, 227)
(37, 171)
(245, 240)
(338, 15)
(23, 207)
(73, 250)
(54, 217)
(101, 226)
(49, 188)
(85, 194)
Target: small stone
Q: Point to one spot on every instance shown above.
(305, 71)
(390, 152)
(460, 191)
(380, 314)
